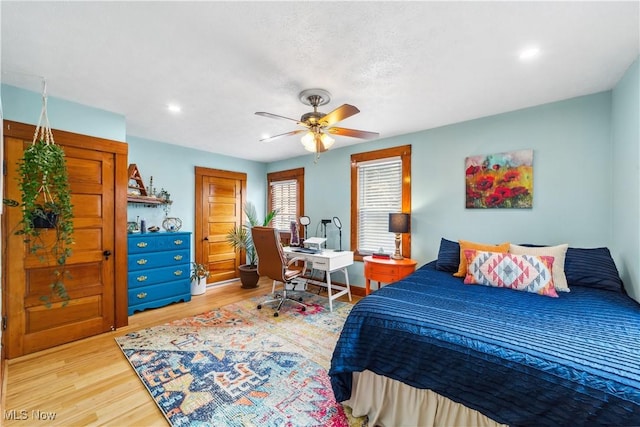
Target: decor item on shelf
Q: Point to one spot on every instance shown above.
(172, 224)
(47, 220)
(318, 125)
(132, 227)
(199, 275)
(239, 238)
(166, 198)
(338, 224)
(153, 229)
(399, 223)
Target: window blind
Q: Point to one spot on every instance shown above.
(379, 193)
(284, 199)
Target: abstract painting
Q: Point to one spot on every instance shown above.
(502, 180)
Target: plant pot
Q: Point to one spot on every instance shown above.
(41, 219)
(248, 276)
(199, 286)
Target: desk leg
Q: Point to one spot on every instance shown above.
(346, 279)
(329, 290)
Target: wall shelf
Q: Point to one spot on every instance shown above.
(147, 200)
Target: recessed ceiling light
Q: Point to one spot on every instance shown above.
(174, 108)
(529, 53)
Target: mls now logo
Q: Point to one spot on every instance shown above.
(23, 415)
(16, 415)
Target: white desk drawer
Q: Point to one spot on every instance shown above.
(319, 264)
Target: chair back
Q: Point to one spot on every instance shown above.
(272, 261)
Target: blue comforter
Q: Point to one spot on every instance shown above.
(517, 357)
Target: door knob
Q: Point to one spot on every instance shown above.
(106, 254)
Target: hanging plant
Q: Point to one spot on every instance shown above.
(46, 204)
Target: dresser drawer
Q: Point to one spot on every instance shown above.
(147, 277)
(153, 242)
(149, 294)
(144, 261)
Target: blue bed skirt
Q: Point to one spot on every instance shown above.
(517, 357)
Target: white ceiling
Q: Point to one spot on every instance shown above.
(407, 66)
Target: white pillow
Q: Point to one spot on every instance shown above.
(557, 252)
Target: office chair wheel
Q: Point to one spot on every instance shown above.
(275, 314)
(304, 309)
(259, 306)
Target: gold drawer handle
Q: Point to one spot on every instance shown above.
(142, 244)
(142, 278)
(141, 261)
(142, 295)
(177, 273)
(177, 242)
(178, 257)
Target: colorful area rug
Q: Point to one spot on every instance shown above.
(239, 366)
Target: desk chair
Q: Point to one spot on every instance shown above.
(273, 263)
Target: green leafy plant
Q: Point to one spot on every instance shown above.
(198, 271)
(239, 237)
(46, 195)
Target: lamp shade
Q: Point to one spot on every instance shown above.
(399, 222)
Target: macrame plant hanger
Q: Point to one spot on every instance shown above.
(43, 133)
(43, 128)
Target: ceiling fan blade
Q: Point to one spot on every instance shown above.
(340, 113)
(275, 116)
(293, 132)
(354, 133)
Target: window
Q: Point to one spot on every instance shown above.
(286, 194)
(380, 185)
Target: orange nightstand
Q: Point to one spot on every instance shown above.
(386, 270)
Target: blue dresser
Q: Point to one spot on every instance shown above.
(158, 269)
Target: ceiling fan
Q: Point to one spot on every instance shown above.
(319, 126)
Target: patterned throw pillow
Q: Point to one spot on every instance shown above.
(527, 273)
(464, 244)
(557, 252)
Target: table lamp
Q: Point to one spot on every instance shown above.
(399, 223)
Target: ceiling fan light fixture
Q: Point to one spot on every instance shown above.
(327, 140)
(309, 142)
(317, 142)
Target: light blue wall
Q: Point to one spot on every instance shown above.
(173, 168)
(572, 179)
(625, 113)
(24, 106)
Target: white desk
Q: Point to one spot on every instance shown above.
(328, 261)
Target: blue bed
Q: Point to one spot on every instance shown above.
(517, 357)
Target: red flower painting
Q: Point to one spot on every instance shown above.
(503, 180)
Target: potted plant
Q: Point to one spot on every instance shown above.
(199, 275)
(46, 209)
(239, 238)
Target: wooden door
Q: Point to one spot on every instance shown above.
(97, 174)
(219, 202)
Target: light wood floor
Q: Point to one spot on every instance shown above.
(90, 382)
